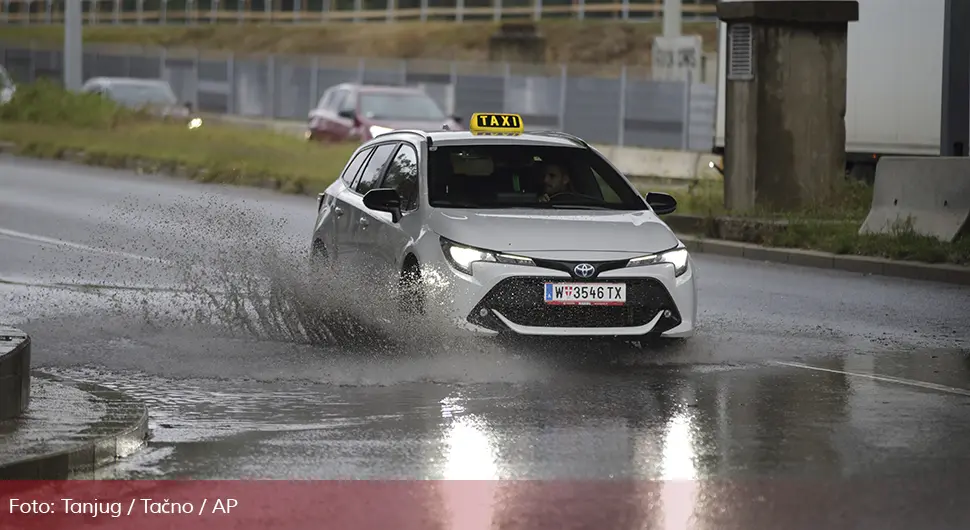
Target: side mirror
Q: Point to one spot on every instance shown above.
(662, 203)
(188, 106)
(384, 200)
(457, 119)
(348, 114)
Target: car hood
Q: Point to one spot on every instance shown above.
(531, 231)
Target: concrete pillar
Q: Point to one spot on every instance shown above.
(784, 133)
(955, 129)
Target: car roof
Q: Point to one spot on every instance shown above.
(396, 89)
(536, 138)
(126, 81)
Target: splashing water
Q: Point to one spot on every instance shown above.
(248, 271)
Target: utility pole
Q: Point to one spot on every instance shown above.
(73, 50)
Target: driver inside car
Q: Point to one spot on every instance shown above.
(555, 178)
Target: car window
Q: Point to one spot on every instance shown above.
(325, 99)
(402, 176)
(375, 168)
(354, 167)
(337, 100)
(348, 103)
(137, 94)
(608, 192)
(398, 106)
(523, 176)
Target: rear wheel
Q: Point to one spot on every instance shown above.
(410, 294)
(320, 264)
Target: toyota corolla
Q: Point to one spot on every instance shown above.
(505, 232)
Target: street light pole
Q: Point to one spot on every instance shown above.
(955, 111)
(73, 54)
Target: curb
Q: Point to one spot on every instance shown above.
(128, 433)
(14, 373)
(953, 274)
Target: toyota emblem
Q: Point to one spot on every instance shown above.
(584, 270)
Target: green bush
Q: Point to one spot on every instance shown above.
(48, 103)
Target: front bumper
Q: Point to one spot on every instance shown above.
(501, 298)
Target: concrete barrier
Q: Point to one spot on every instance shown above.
(933, 194)
(14, 373)
(632, 161)
(663, 164)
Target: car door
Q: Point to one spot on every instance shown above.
(390, 239)
(340, 248)
(345, 117)
(326, 120)
(359, 232)
(317, 118)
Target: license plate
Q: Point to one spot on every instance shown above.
(585, 293)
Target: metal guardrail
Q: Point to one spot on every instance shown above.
(108, 12)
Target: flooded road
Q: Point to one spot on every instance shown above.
(192, 297)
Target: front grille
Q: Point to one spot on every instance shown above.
(521, 301)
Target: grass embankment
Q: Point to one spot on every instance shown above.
(831, 229)
(45, 121)
(600, 43)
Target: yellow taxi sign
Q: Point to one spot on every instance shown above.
(496, 123)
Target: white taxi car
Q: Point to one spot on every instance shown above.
(499, 231)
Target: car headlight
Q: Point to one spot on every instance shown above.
(195, 123)
(376, 130)
(677, 257)
(462, 257)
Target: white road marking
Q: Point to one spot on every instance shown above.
(883, 378)
(78, 246)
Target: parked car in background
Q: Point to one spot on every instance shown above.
(7, 87)
(154, 95)
(352, 111)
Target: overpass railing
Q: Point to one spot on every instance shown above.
(163, 12)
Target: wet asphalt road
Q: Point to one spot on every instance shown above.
(818, 380)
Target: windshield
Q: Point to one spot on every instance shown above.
(140, 94)
(520, 176)
(404, 107)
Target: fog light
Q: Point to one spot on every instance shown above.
(483, 312)
(667, 314)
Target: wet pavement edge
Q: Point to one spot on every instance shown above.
(122, 431)
(952, 274)
(14, 372)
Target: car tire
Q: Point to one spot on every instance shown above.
(410, 293)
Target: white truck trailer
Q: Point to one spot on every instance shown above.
(894, 82)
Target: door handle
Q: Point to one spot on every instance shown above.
(338, 212)
(364, 221)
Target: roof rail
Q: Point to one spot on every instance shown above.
(423, 134)
(560, 134)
